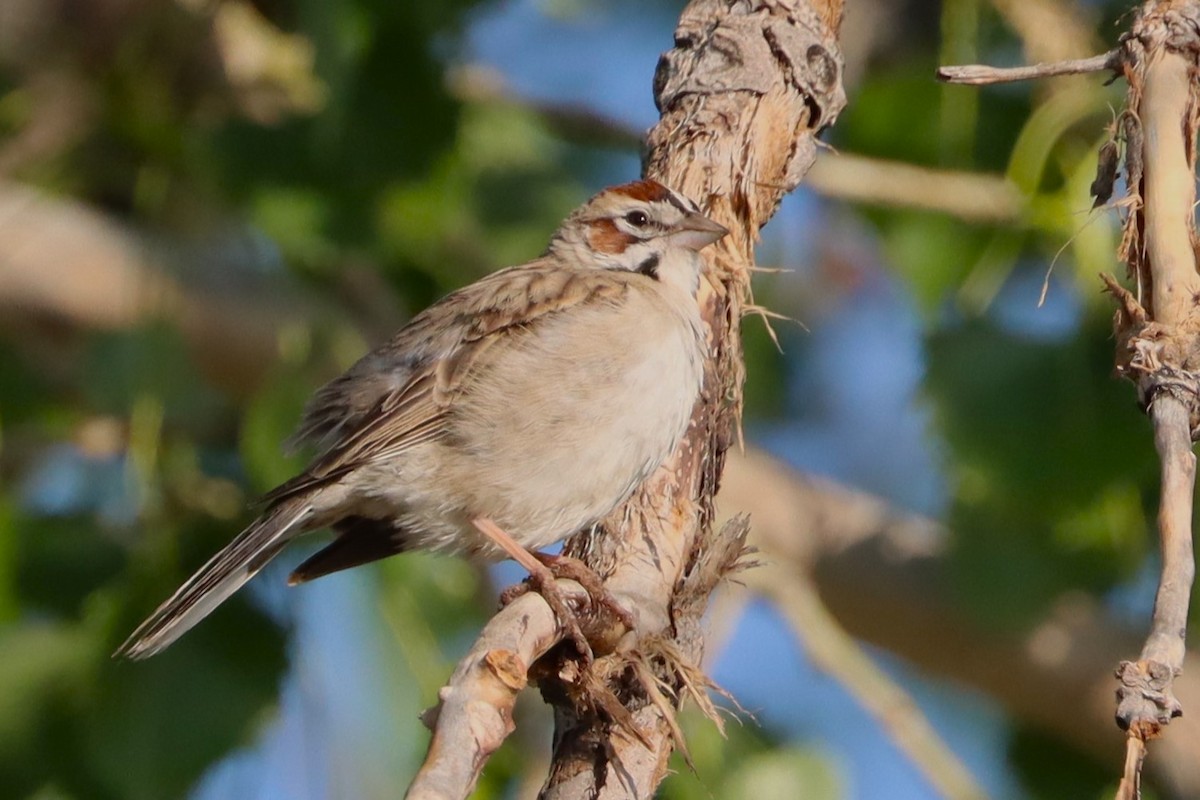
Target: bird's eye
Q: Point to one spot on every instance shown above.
(637, 219)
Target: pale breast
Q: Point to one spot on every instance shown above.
(559, 426)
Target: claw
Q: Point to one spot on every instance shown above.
(544, 570)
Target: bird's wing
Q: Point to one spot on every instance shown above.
(397, 396)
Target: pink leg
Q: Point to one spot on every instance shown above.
(543, 571)
(501, 539)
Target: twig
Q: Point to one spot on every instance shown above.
(833, 651)
(1146, 699)
(983, 75)
(1131, 782)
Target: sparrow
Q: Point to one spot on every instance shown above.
(505, 417)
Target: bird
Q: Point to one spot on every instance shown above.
(505, 417)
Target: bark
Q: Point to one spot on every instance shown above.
(1158, 332)
(742, 95)
(474, 714)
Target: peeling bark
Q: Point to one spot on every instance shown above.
(742, 95)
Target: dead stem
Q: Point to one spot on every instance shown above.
(982, 75)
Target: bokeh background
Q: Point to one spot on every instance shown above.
(209, 207)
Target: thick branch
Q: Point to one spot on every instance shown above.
(742, 95)
(1169, 188)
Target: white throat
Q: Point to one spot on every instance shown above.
(680, 268)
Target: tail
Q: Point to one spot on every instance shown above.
(213, 583)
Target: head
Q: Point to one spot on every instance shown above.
(639, 227)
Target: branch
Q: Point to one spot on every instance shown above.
(1158, 344)
(742, 95)
(983, 75)
(474, 711)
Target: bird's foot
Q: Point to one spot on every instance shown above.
(543, 580)
(544, 571)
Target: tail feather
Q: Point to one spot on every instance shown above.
(360, 540)
(224, 574)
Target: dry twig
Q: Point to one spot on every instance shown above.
(1158, 329)
(983, 75)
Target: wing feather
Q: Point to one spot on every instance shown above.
(398, 395)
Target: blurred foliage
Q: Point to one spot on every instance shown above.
(1052, 771)
(1042, 502)
(746, 762)
(326, 130)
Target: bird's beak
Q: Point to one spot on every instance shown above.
(696, 231)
